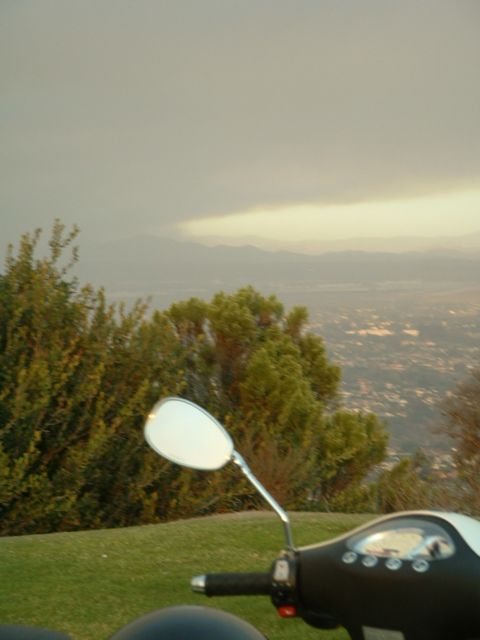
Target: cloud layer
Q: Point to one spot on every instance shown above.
(132, 116)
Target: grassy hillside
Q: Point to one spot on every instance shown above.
(91, 583)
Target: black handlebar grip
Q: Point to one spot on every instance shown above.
(238, 584)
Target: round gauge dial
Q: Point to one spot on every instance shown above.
(406, 539)
(391, 544)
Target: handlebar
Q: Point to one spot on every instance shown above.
(233, 584)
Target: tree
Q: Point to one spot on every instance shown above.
(267, 378)
(461, 411)
(75, 377)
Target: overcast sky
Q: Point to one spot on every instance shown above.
(324, 115)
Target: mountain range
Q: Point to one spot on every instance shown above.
(169, 270)
(397, 244)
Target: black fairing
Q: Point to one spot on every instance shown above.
(188, 623)
(440, 604)
(22, 632)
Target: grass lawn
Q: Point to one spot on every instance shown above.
(91, 583)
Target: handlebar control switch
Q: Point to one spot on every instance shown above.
(284, 582)
(282, 572)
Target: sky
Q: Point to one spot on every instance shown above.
(286, 119)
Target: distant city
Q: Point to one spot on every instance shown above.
(400, 360)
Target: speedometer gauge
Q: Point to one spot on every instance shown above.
(406, 539)
(392, 543)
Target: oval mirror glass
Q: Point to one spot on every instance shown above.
(185, 433)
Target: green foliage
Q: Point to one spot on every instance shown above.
(75, 377)
(78, 375)
(262, 374)
(351, 445)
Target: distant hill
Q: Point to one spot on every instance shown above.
(399, 244)
(169, 269)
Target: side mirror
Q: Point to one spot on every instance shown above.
(186, 434)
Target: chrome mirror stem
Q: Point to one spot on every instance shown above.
(240, 462)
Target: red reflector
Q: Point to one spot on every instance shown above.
(288, 611)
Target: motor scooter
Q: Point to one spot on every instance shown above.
(407, 576)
